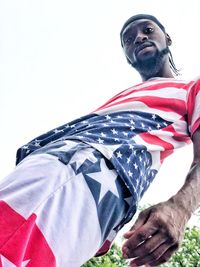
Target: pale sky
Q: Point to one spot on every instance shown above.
(62, 59)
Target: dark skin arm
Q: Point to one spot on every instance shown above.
(159, 230)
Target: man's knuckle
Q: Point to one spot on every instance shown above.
(175, 246)
(168, 231)
(159, 221)
(146, 249)
(141, 214)
(173, 240)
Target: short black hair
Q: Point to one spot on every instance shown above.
(154, 19)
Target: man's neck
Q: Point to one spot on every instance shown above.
(162, 74)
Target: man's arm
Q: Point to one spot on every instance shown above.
(159, 230)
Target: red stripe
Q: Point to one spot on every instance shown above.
(21, 239)
(104, 249)
(195, 126)
(165, 154)
(154, 86)
(191, 104)
(157, 86)
(154, 140)
(159, 103)
(176, 135)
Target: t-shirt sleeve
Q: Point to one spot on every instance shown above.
(193, 107)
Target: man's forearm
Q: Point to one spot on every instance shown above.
(188, 197)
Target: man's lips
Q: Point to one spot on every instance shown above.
(141, 47)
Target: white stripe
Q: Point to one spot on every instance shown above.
(156, 164)
(167, 137)
(150, 147)
(137, 87)
(140, 106)
(151, 83)
(181, 127)
(112, 234)
(168, 92)
(153, 149)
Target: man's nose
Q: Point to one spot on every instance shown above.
(140, 38)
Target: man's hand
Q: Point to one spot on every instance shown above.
(156, 235)
(158, 231)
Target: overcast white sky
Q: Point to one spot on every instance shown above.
(62, 59)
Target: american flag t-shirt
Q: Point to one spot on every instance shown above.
(136, 129)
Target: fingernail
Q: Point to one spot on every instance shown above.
(125, 256)
(125, 234)
(124, 248)
(124, 253)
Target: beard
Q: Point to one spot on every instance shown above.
(150, 67)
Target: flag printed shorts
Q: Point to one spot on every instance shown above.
(59, 207)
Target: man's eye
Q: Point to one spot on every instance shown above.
(148, 30)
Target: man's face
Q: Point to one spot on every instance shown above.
(144, 44)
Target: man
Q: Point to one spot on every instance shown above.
(76, 186)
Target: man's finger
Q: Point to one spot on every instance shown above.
(156, 256)
(165, 257)
(148, 246)
(138, 236)
(142, 218)
(128, 234)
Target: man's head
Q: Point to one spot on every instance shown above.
(146, 46)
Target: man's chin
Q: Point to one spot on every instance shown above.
(144, 64)
(149, 63)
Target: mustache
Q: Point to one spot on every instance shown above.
(143, 45)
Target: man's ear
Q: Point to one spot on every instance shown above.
(168, 39)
